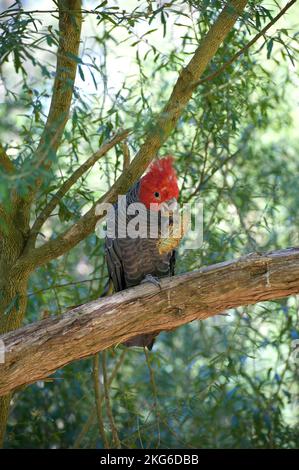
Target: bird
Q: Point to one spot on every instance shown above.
(133, 260)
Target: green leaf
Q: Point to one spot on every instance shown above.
(64, 213)
(163, 21)
(81, 73)
(269, 48)
(74, 57)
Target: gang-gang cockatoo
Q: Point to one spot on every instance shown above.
(132, 260)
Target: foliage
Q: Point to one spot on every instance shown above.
(229, 381)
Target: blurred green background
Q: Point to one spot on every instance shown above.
(228, 381)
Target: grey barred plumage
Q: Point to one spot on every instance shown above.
(130, 260)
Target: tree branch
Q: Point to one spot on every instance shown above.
(91, 418)
(155, 138)
(247, 46)
(113, 428)
(70, 21)
(43, 216)
(37, 350)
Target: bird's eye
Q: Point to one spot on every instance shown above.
(156, 194)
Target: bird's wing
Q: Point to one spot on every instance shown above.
(114, 264)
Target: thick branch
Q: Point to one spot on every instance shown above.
(35, 351)
(74, 178)
(155, 138)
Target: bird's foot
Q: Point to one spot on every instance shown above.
(152, 279)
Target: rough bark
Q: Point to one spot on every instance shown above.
(35, 351)
(13, 299)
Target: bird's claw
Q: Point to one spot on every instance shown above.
(152, 279)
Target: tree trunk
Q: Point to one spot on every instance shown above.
(13, 301)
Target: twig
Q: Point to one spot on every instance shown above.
(203, 182)
(91, 418)
(67, 284)
(159, 132)
(118, 16)
(117, 366)
(155, 394)
(87, 425)
(114, 432)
